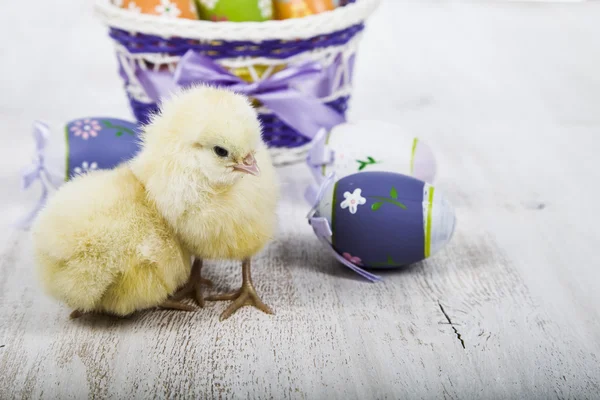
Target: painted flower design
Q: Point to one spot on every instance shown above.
(266, 8)
(86, 128)
(352, 259)
(168, 9)
(134, 7)
(353, 200)
(210, 4)
(85, 167)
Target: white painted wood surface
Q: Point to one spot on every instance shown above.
(508, 94)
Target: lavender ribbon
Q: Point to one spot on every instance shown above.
(324, 233)
(303, 112)
(38, 172)
(319, 154)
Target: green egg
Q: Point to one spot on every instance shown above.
(236, 10)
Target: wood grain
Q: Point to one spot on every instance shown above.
(508, 95)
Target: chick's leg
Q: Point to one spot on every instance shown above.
(194, 285)
(244, 296)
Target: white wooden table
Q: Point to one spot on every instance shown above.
(508, 94)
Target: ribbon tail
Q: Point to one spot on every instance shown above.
(323, 231)
(305, 114)
(41, 134)
(318, 195)
(371, 277)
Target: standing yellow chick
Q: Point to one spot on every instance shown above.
(206, 168)
(101, 245)
(121, 240)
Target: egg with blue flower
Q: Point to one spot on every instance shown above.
(381, 219)
(366, 146)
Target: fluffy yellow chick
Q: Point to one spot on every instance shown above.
(203, 184)
(101, 245)
(205, 167)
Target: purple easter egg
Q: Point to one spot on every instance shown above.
(384, 219)
(99, 143)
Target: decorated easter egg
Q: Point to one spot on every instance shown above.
(381, 220)
(286, 9)
(370, 146)
(236, 10)
(99, 143)
(162, 8)
(65, 150)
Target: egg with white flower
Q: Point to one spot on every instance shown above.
(382, 219)
(367, 145)
(162, 8)
(95, 143)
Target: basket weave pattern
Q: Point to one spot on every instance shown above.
(140, 45)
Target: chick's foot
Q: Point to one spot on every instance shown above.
(244, 296)
(176, 305)
(193, 288)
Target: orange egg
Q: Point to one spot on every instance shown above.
(163, 8)
(319, 6)
(285, 9)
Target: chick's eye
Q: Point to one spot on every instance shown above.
(221, 152)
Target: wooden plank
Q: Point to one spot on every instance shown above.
(507, 94)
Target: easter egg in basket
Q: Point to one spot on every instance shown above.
(235, 10)
(366, 146)
(163, 8)
(381, 220)
(286, 9)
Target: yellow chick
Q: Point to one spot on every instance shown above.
(206, 168)
(101, 245)
(202, 185)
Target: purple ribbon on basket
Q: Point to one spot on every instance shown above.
(38, 172)
(323, 231)
(302, 111)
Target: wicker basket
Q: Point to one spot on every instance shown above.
(258, 49)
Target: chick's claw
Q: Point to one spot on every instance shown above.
(193, 287)
(244, 296)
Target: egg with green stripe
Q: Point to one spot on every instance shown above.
(384, 219)
(371, 146)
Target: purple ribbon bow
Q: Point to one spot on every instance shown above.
(38, 172)
(323, 231)
(301, 111)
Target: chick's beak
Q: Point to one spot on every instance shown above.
(248, 166)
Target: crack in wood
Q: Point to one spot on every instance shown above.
(452, 325)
